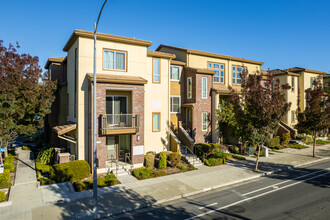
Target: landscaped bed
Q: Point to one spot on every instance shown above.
(7, 178)
(162, 164)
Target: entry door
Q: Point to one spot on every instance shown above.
(124, 146)
(112, 147)
(188, 117)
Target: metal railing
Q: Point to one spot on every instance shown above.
(203, 153)
(120, 121)
(114, 160)
(195, 157)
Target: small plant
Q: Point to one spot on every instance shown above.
(108, 180)
(149, 160)
(142, 173)
(162, 161)
(8, 162)
(175, 158)
(46, 155)
(322, 142)
(285, 139)
(25, 148)
(3, 196)
(5, 177)
(71, 171)
(273, 142)
(45, 181)
(297, 146)
(159, 173)
(214, 161)
(238, 157)
(182, 167)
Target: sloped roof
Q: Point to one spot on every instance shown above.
(65, 128)
(121, 79)
(54, 60)
(152, 53)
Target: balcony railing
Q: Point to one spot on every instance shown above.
(111, 122)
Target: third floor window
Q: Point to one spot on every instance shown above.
(237, 70)
(219, 68)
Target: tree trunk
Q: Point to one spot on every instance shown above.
(314, 145)
(257, 162)
(6, 145)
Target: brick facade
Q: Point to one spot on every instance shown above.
(137, 108)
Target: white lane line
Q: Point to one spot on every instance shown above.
(274, 185)
(253, 197)
(213, 204)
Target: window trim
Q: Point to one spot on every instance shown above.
(205, 88)
(292, 84)
(122, 51)
(189, 96)
(175, 80)
(172, 112)
(153, 122)
(293, 118)
(159, 70)
(236, 84)
(224, 71)
(205, 121)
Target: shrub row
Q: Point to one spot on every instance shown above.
(146, 173)
(8, 162)
(297, 146)
(5, 177)
(71, 171)
(214, 161)
(108, 180)
(273, 142)
(2, 196)
(209, 148)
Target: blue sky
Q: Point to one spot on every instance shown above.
(281, 33)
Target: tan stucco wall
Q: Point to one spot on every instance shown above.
(304, 83)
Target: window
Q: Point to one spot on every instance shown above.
(189, 87)
(175, 104)
(292, 83)
(204, 121)
(219, 77)
(312, 82)
(237, 70)
(204, 87)
(175, 73)
(114, 60)
(292, 116)
(155, 121)
(75, 81)
(156, 70)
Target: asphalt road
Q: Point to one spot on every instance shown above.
(300, 193)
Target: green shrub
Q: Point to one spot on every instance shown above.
(11, 152)
(175, 158)
(43, 168)
(142, 173)
(5, 185)
(159, 173)
(182, 167)
(162, 161)
(238, 157)
(149, 160)
(202, 147)
(273, 142)
(45, 181)
(79, 186)
(322, 142)
(285, 139)
(5, 177)
(297, 146)
(71, 171)
(109, 180)
(8, 162)
(191, 167)
(220, 155)
(3, 196)
(214, 161)
(307, 139)
(25, 148)
(46, 155)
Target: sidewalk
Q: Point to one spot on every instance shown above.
(125, 197)
(59, 201)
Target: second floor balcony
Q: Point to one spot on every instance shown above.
(112, 124)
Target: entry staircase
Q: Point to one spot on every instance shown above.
(189, 157)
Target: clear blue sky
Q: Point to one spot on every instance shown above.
(281, 33)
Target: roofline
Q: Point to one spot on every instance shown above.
(151, 53)
(54, 60)
(308, 70)
(199, 70)
(177, 62)
(103, 78)
(203, 53)
(101, 36)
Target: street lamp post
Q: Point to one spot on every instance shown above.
(94, 119)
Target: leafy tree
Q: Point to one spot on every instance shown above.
(26, 94)
(259, 108)
(316, 116)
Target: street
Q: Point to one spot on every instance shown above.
(300, 193)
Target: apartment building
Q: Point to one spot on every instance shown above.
(299, 79)
(133, 87)
(202, 79)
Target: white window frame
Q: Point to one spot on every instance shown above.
(189, 92)
(205, 121)
(171, 76)
(204, 97)
(114, 65)
(171, 104)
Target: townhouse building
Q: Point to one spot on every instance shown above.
(299, 79)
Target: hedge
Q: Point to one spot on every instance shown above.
(162, 160)
(142, 173)
(175, 159)
(5, 177)
(71, 171)
(149, 160)
(43, 168)
(109, 180)
(182, 167)
(8, 162)
(159, 173)
(45, 181)
(273, 142)
(2, 196)
(285, 139)
(209, 148)
(214, 161)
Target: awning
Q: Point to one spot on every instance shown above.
(61, 130)
(121, 79)
(188, 105)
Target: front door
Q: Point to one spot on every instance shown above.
(124, 146)
(112, 146)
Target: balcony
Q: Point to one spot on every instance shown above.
(113, 124)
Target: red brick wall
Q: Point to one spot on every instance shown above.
(137, 108)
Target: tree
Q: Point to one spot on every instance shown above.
(316, 116)
(259, 108)
(26, 94)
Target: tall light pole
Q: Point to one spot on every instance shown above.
(94, 119)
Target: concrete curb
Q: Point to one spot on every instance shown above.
(209, 188)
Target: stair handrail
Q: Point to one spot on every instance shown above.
(204, 154)
(128, 157)
(116, 163)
